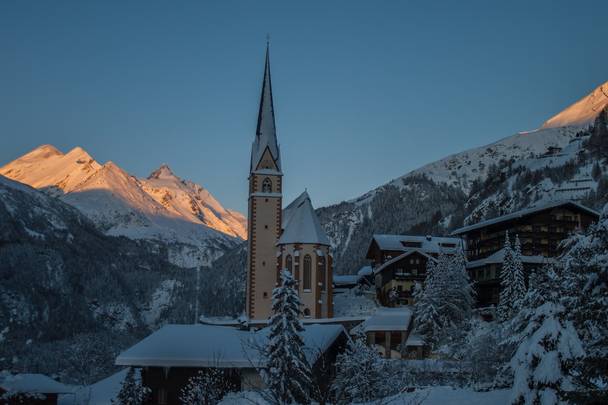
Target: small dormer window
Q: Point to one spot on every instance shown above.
(267, 185)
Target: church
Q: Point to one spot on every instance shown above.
(290, 238)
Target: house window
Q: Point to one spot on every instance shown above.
(267, 185)
(321, 272)
(307, 271)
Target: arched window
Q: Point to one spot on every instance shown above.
(289, 263)
(307, 271)
(267, 185)
(321, 272)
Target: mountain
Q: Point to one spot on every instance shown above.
(552, 162)
(71, 296)
(191, 201)
(163, 208)
(583, 112)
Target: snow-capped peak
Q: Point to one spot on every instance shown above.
(163, 172)
(583, 112)
(160, 207)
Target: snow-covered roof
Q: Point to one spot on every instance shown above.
(33, 384)
(523, 213)
(388, 319)
(365, 271)
(414, 340)
(216, 346)
(301, 224)
(345, 279)
(428, 244)
(265, 135)
(498, 257)
(384, 265)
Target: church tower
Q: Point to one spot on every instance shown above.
(264, 211)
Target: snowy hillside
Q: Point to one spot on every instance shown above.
(189, 200)
(67, 285)
(550, 163)
(583, 112)
(181, 214)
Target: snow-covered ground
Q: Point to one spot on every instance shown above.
(353, 302)
(425, 396)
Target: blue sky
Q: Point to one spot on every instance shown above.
(364, 91)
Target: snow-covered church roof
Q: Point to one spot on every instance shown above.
(217, 346)
(265, 134)
(301, 224)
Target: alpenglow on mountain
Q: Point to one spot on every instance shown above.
(559, 161)
(164, 208)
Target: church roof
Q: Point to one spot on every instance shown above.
(265, 134)
(301, 224)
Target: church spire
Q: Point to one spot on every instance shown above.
(265, 134)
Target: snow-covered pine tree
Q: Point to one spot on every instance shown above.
(585, 262)
(287, 372)
(132, 391)
(547, 343)
(459, 290)
(505, 303)
(518, 288)
(361, 374)
(205, 388)
(426, 308)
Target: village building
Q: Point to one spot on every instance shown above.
(35, 389)
(175, 353)
(281, 239)
(389, 331)
(540, 230)
(400, 261)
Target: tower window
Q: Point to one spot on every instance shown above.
(321, 272)
(267, 185)
(307, 271)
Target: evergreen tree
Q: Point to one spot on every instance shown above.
(287, 372)
(426, 307)
(518, 288)
(132, 391)
(505, 303)
(205, 388)
(444, 304)
(361, 374)
(585, 263)
(547, 343)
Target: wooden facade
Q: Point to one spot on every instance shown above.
(540, 231)
(396, 278)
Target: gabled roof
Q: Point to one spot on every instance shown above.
(217, 346)
(428, 244)
(33, 384)
(400, 257)
(265, 134)
(301, 224)
(524, 213)
(388, 319)
(499, 256)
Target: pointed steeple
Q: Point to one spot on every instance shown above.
(265, 134)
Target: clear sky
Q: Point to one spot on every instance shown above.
(364, 91)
